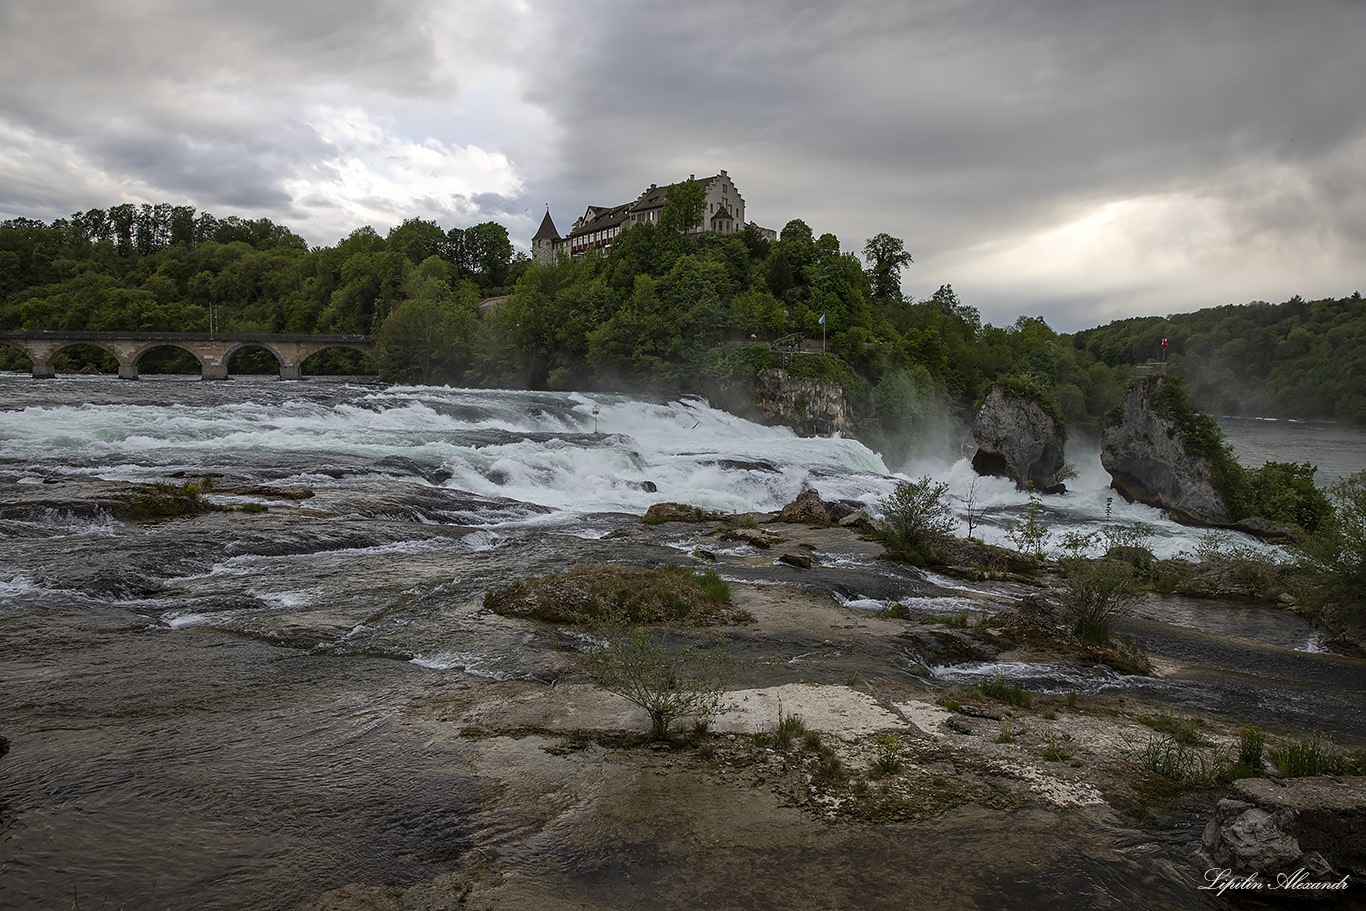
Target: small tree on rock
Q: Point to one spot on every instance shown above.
(667, 671)
(916, 513)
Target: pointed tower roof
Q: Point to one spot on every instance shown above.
(547, 230)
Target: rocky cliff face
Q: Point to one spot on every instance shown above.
(1017, 439)
(810, 407)
(1147, 461)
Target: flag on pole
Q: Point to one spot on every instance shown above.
(822, 320)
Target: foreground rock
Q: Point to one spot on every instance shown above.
(1017, 439)
(1150, 459)
(1278, 827)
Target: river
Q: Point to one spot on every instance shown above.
(204, 712)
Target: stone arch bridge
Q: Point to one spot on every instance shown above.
(212, 350)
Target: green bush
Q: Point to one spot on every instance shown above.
(1096, 593)
(1333, 559)
(1284, 492)
(916, 513)
(888, 760)
(670, 673)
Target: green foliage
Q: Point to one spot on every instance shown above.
(669, 673)
(1251, 743)
(166, 501)
(685, 207)
(1057, 749)
(1179, 761)
(916, 513)
(1029, 532)
(888, 761)
(1311, 756)
(886, 256)
(1296, 359)
(1285, 493)
(1333, 559)
(1096, 593)
(789, 729)
(1011, 693)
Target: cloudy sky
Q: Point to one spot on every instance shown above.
(1080, 160)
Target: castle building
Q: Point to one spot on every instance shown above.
(723, 213)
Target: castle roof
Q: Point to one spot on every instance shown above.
(547, 230)
(598, 218)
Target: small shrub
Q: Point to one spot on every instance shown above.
(713, 586)
(811, 740)
(1057, 749)
(252, 507)
(1096, 593)
(1251, 742)
(1007, 730)
(1030, 533)
(888, 761)
(668, 673)
(953, 705)
(916, 513)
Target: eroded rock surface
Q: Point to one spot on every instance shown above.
(1276, 827)
(1017, 439)
(1146, 457)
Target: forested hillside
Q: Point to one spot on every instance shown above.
(661, 311)
(1298, 359)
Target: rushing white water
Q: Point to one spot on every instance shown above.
(573, 454)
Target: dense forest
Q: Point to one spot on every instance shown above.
(661, 311)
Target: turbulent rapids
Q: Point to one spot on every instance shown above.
(217, 711)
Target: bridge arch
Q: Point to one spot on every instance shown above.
(141, 350)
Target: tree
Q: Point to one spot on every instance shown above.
(916, 513)
(886, 256)
(685, 207)
(1333, 560)
(667, 672)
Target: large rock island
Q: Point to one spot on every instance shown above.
(1018, 438)
(1160, 451)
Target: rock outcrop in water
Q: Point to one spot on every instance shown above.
(1151, 460)
(1017, 439)
(1276, 828)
